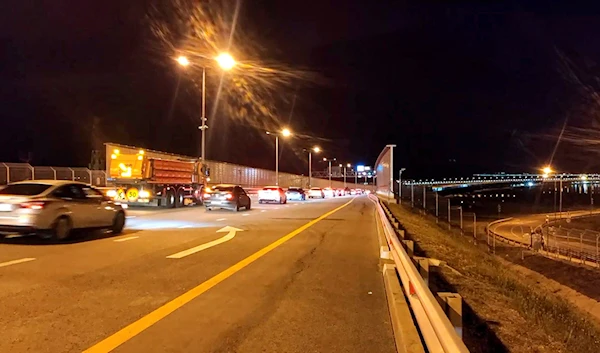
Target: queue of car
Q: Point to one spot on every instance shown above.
(56, 208)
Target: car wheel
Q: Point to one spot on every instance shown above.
(118, 223)
(249, 205)
(209, 209)
(62, 228)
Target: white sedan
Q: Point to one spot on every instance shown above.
(54, 208)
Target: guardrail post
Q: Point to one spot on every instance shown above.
(461, 219)
(424, 269)
(7, 173)
(72, 174)
(410, 247)
(53, 172)
(32, 172)
(452, 305)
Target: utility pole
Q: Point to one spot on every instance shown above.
(400, 185)
(425, 198)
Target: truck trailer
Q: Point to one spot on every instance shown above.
(143, 177)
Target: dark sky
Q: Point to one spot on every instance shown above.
(460, 87)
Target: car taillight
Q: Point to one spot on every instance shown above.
(228, 196)
(206, 196)
(33, 205)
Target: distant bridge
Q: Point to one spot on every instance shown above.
(501, 178)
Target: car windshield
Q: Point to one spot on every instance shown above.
(270, 189)
(222, 188)
(28, 189)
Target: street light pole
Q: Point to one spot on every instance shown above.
(226, 62)
(203, 127)
(560, 197)
(330, 173)
(344, 176)
(309, 169)
(400, 185)
(277, 160)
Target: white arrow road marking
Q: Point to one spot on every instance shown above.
(14, 262)
(230, 234)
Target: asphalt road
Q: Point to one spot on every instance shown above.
(293, 278)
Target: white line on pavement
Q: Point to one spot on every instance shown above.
(231, 233)
(188, 226)
(130, 217)
(125, 239)
(246, 214)
(263, 210)
(14, 262)
(221, 219)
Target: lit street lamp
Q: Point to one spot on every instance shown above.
(315, 149)
(547, 171)
(225, 62)
(284, 133)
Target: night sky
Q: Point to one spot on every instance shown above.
(460, 87)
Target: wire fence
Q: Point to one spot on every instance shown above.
(13, 172)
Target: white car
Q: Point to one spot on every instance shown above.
(272, 194)
(329, 192)
(54, 208)
(316, 193)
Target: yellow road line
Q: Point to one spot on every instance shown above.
(135, 328)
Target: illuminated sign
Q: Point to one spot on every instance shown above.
(367, 168)
(360, 168)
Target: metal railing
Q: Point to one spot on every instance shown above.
(558, 241)
(438, 332)
(13, 172)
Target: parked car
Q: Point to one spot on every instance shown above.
(272, 194)
(329, 192)
(54, 208)
(316, 193)
(347, 191)
(295, 193)
(227, 196)
(339, 192)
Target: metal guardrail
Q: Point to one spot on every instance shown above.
(438, 332)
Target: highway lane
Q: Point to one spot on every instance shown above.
(312, 291)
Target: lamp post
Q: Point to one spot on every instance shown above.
(284, 133)
(315, 149)
(547, 171)
(329, 160)
(400, 185)
(226, 62)
(346, 166)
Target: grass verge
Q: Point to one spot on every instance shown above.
(506, 311)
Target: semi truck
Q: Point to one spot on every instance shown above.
(143, 177)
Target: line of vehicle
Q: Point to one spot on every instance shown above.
(15, 262)
(125, 334)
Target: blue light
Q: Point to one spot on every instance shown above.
(530, 183)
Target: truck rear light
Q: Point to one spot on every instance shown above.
(228, 196)
(33, 205)
(207, 196)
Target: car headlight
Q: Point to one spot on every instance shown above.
(111, 193)
(144, 194)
